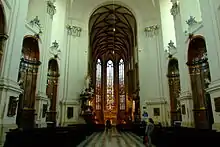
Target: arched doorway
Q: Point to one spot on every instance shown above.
(200, 79)
(113, 31)
(52, 83)
(3, 35)
(27, 79)
(174, 89)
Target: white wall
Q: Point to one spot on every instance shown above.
(74, 50)
(189, 8)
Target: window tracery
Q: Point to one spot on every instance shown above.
(110, 100)
(121, 86)
(98, 84)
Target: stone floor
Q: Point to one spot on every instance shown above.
(112, 138)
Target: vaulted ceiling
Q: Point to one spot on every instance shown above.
(112, 31)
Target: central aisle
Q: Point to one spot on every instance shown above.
(112, 138)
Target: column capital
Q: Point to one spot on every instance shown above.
(74, 30)
(51, 8)
(152, 30)
(175, 10)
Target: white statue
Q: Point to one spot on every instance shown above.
(87, 81)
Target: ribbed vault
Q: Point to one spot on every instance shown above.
(112, 31)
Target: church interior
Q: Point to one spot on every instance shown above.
(70, 67)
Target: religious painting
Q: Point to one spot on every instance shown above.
(12, 106)
(69, 112)
(217, 104)
(156, 111)
(183, 109)
(44, 110)
(110, 100)
(121, 86)
(98, 85)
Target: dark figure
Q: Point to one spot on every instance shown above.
(143, 127)
(108, 124)
(148, 133)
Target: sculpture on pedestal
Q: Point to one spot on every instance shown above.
(86, 96)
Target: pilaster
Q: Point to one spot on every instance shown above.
(152, 33)
(44, 51)
(10, 63)
(211, 34)
(185, 97)
(182, 48)
(210, 17)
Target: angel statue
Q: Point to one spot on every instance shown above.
(87, 81)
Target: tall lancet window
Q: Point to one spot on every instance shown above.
(98, 84)
(110, 103)
(121, 85)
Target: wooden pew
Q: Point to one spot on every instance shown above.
(46, 137)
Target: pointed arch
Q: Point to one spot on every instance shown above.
(110, 98)
(98, 104)
(121, 76)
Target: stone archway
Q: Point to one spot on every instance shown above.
(27, 79)
(52, 84)
(200, 79)
(174, 89)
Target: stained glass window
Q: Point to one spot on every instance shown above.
(121, 85)
(98, 84)
(110, 103)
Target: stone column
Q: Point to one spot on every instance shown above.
(185, 94)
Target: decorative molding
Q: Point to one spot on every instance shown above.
(152, 30)
(171, 49)
(185, 95)
(35, 23)
(42, 96)
(74, 30)
(191, 21)
(7, 84)
(3, 37)
(51, 8)
(54, 49)
(156, 101)
(194, 28)
(213, 87)
(70, 102)
(175, 9)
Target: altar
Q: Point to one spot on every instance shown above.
(110, 115)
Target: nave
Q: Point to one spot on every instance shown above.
(112, 138)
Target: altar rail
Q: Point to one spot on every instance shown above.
(51, 137)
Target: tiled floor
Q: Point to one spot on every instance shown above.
(112, 138)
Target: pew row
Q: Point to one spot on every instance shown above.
(51, 137)
(176, 136)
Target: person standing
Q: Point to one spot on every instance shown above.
(148, 132)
